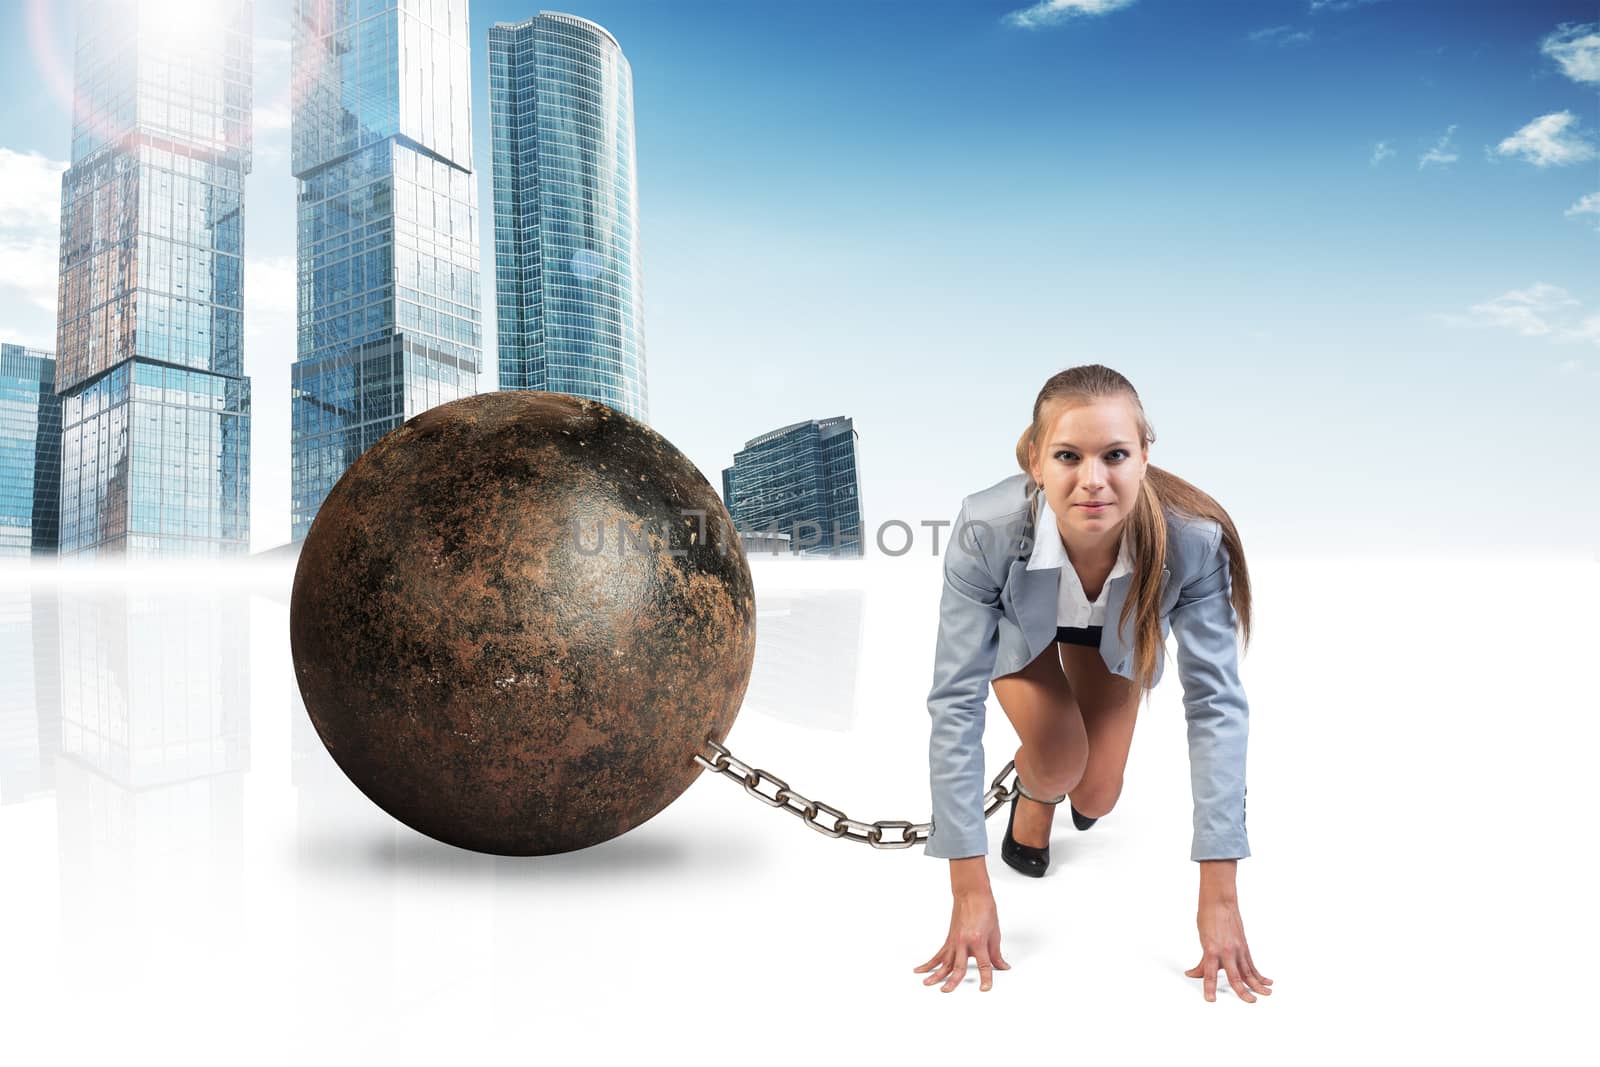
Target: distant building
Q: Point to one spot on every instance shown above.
(566, 212)
(756, 543)
(30, 452)
(802, 480)
(155, 449)
(389, 298)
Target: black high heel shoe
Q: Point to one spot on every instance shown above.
(1026, 859)
(1082, 822)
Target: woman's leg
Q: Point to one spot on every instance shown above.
(1109, 704)
(1042, 709)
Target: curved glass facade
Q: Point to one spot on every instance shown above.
(566, 212)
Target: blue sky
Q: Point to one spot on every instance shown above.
(1343, 249)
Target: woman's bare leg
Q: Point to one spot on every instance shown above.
(1055, 746)
(1109, 706)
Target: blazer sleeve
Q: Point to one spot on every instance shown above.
(969, 624)
(1215, 707)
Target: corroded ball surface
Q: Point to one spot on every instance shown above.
(511, 630)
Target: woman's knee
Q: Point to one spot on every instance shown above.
(1096, 798)
(1052, 768)
(1045, 715)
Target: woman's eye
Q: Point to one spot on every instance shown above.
(1119, 451)
(1060, 454)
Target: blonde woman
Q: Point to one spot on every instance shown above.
(1061, 584)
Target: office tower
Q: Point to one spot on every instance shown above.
(155, 444)
(30, 452)
(387, 248)
(802, 480)
(566, 212)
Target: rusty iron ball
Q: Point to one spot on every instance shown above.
(515, 620)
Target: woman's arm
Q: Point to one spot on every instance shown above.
(969, 623)
(969, 626)
(1214, 705)
(1219, 725)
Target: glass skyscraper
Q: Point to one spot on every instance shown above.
(566, 212)
(801, 480)
(389, 320)
(30, 452)
(155, 446)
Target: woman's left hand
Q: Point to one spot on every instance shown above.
(1222, 943)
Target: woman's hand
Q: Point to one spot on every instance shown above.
(1222, 943)
(974, 931)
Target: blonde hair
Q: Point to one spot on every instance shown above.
(1147, 525)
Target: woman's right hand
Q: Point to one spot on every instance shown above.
(975, 932)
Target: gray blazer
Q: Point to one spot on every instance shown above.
(995, 616)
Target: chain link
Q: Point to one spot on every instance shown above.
(879, 834)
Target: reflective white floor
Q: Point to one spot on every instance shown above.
(186, 876)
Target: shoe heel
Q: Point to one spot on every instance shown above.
(1024, 859)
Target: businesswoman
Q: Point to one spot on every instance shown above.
(1061, 584)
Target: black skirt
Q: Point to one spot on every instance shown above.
(1088, 636)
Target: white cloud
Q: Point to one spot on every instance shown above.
(272, 117)
(30, 231)
(269, 349)
(30, 189)
(1589, 204)
(1051, 12)
(1540, 310)
(30, 263)
(1380, 152)
(269, 290)
(1549, 141)
(1527, 311)
(271, 113)
(1339, 5)
(1587, 330)
(1576, 49)
(1280, 35)
(1442, 154)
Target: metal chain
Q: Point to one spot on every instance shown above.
(870, 833)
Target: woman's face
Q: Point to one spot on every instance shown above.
(1092, 453)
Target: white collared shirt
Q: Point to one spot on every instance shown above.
(1073, 607)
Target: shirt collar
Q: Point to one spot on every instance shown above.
(1048, 551)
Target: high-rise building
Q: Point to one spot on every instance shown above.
(155, 446)
(566, 212)
(389, 320)
(802, 480)
(30, 452)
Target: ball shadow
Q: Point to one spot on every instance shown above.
(389, 851)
